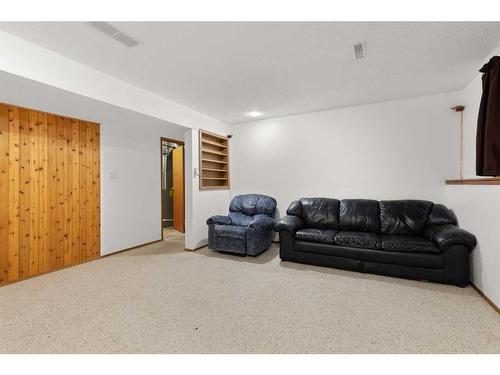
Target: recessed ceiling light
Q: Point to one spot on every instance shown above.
(254, 114)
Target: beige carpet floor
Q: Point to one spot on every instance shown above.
(162, 299)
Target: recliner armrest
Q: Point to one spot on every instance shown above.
(262, 222)
(447, 235)
(219, 219)
(289, 223)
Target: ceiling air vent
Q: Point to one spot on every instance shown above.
(114, 33)
(359, 50)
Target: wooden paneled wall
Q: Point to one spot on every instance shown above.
(49, 192)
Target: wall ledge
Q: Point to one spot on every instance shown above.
(475, 181)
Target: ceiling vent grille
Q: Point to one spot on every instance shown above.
(114, 33)
(359, 50)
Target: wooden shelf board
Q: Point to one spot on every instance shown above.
(215, 178)
(217, 144)
(474, 181)
(215, 170)
(221, 187)
(214, 161)
(213, 135)
(213, 152)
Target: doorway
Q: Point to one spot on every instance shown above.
(172, 189)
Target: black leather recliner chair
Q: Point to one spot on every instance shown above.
(412, 239)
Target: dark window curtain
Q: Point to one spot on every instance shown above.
(488, 121)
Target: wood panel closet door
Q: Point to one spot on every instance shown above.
(49, 192)
(178, 187)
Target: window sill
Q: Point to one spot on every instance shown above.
(475, 181)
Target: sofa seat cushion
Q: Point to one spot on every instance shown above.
(408, 244)
(316, 235)
(363, 240)
(434, 261)
(233, 231)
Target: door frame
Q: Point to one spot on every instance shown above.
(165, 139)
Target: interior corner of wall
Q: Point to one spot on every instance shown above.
(191, 192)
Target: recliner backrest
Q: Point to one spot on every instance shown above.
(237, 218)
(360, 215)
(404, 216)
(253, 204)
(320, 213)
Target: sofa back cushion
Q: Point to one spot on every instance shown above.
(253, 204)
(441, 215)
(359, 215)
(320, 213)
(404, 216)
(295, 209)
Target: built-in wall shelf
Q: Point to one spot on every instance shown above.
(214, 161)
(475, 181)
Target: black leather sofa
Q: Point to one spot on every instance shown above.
(412, 239)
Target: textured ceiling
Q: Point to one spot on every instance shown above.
(228, 69)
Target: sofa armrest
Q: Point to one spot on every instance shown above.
(262, 223)
(289, 223)
(219, 219)
(447, 235)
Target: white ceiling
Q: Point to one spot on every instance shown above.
(228, 69)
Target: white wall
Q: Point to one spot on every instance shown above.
(131, 183)
(478, 211)
(391, 150)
